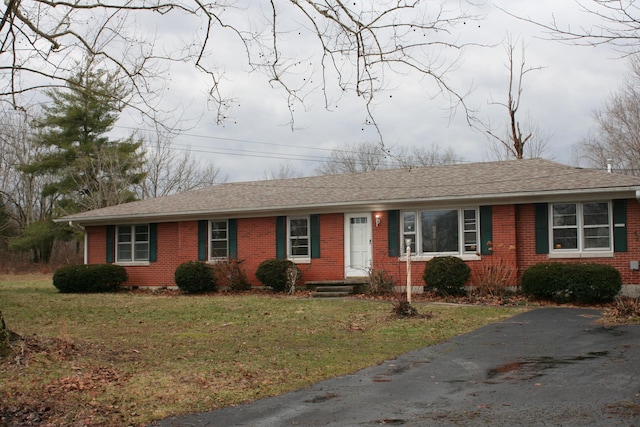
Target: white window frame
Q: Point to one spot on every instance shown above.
(416, 234)
(211, 239)
(580, 250)
(290, 238)
(132, 245)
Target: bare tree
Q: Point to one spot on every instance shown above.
(169, 172)
(368, 156)
(348, 47)
(432, 156)
(285, 170)
(512, 143)
(536, 147)
(616, 139)
(21, 191)
(353, 158)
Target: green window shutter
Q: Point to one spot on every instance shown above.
(281, 237)
(111, 236)
(393, 233)
(203, 231)
(314, 226)
(486, 229)
(620, 225)
(153, 242)
(542, 228)
(233, 238)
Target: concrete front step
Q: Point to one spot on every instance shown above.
(317, 294)
(337, 288)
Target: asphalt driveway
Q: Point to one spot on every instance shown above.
(546, 367)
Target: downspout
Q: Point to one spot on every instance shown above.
(85, 255)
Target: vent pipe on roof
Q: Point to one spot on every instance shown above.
(609, 165)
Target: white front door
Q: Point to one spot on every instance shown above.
(357, 250)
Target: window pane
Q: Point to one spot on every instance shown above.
(219, 230)
(124, 234)
(564, 215)
(595, 213)
(124, 243)
(142, 233)
(299, 237)
(142, 251)
(299, 247)
(219, 249)
(596, 238)
(124, 252)
(439, 231)
(565, 238)
(409, 220)
(298, 227)
(470, 220)
(470, 242)
(470, 231)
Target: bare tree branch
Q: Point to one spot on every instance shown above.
(618, 25)
(356, 45)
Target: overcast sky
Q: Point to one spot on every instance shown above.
(256, 138)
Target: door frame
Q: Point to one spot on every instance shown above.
(354, 272)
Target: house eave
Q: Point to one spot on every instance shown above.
(365, 205)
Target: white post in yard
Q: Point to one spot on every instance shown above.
(408, 244)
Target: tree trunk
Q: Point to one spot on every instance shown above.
(5, 338)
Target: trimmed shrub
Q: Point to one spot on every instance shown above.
(273, 274)
(89, 278)
(545, 281)
(594, 283)
(447, 275)
(583, 283)
(194, 277)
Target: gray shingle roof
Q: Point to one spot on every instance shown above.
(497, 182)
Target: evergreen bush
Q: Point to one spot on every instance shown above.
(447, 275)
(272, 273)
(545, 281)
(195, 277)
(584, 283)
(89, 278)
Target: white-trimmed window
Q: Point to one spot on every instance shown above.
(219, 239)
(132, 243)
(577, 227)
(298, 237)
(441, 231)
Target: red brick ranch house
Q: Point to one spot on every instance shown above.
(519, 212)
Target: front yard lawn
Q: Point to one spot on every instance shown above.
(132, 357)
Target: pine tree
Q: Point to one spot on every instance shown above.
(92, 170)
(89, 169)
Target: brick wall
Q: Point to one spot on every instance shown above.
(513, 247)
(527, 249)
